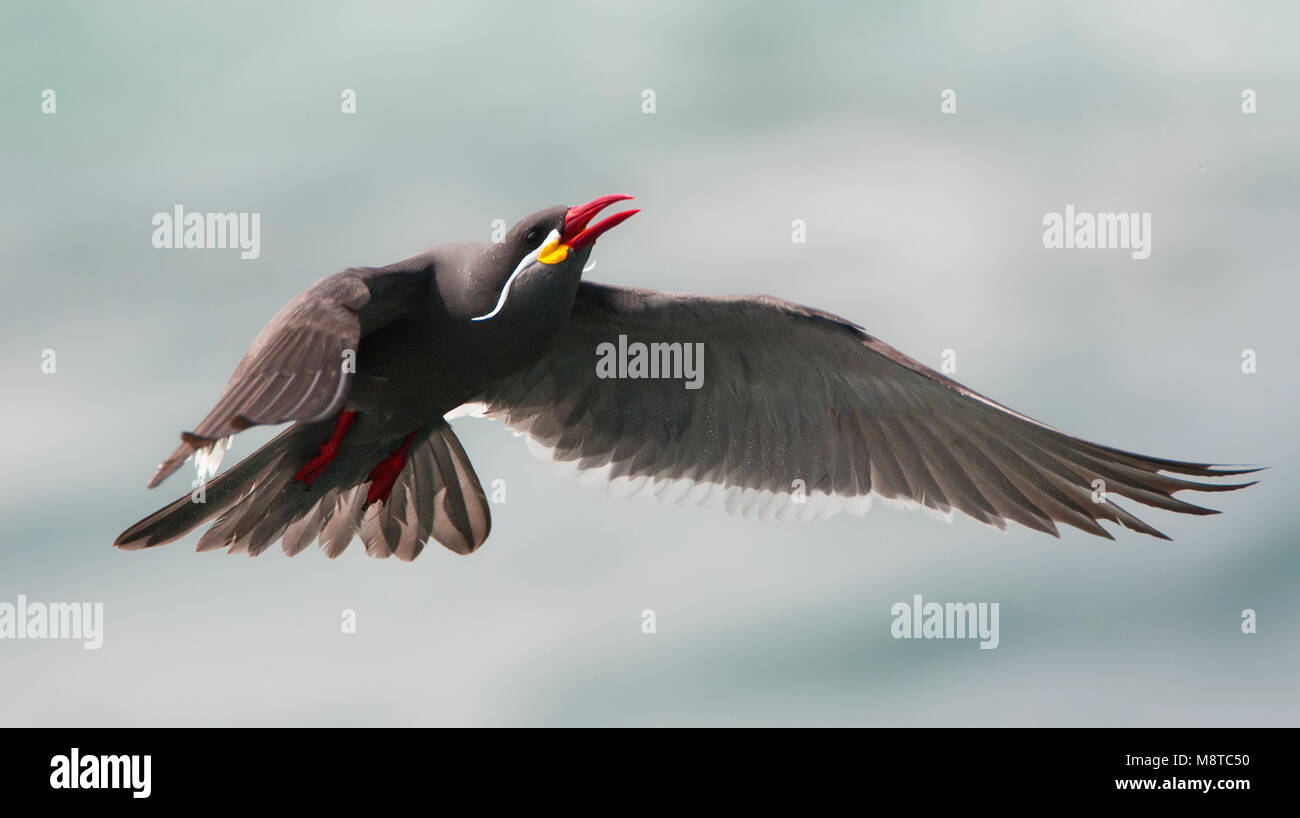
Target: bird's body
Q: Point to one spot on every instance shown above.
(800, 413)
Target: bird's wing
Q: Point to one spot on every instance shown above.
(294, 369)
(802, 413)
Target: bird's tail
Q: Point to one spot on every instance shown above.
(259, 501)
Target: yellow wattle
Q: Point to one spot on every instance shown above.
(554, 254)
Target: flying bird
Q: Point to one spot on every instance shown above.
(797, 412)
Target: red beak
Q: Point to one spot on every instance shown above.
(577, 234)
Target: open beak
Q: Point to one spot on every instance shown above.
(577, 234)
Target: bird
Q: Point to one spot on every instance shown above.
(794, 413)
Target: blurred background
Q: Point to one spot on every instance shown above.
(924, 227)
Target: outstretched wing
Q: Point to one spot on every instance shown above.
(294, 370)
(801, 413)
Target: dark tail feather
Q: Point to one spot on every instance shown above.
(178, 518)
(459, 519)
(437, 495)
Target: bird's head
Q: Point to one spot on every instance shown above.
(546, 252)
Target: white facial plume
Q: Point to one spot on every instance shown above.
(551, 238)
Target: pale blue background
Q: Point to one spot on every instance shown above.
(923, 227)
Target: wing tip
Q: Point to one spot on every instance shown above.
(189, 443)
(125, 543)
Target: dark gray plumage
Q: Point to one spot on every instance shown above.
(792, 393)
(799, 413)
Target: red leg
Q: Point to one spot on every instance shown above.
(328, 450)
(384, 476)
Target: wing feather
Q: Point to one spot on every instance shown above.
(294, 370)
(793, 394)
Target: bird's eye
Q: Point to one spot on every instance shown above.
(533, 236)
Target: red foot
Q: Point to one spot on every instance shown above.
(384, 476)
(328, 450)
